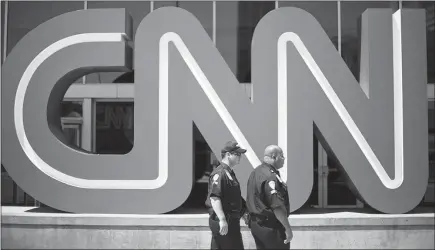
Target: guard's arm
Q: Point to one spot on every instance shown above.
(281, 214)
(217, 188)
(276, 203)
(217, 207)
(216, 202)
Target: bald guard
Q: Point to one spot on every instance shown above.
(268, 203)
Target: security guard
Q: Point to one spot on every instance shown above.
(224, 201)
(268, 203)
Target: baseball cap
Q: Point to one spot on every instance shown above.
(233, 147)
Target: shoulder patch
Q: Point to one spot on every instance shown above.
(215, 179)
(272, 185)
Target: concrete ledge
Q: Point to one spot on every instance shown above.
(26, 230)
(19, 216)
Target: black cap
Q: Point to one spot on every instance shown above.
(233, 147)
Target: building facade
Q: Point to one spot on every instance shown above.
(98, 115)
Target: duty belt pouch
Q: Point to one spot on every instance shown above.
(214, 226)
(214, 217)
(249, 219)
(229, 217)
(268, 222)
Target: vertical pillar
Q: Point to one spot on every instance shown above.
(86, 133)
(339, 26)
(322, 177)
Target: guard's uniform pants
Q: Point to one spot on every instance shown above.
(268, 234)
(232, 240)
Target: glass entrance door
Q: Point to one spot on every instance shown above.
(333, 190)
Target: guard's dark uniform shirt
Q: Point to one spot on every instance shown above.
(266, 191)
(224, 185)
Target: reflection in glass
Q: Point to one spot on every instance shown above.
(114, 127)
(71, 109)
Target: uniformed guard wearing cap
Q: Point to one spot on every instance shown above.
(268, 203)
(224, 201)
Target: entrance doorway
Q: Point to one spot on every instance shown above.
(333, 192)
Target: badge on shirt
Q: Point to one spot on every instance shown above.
(229, 175)
(279, 178)
(215, 179)
(272, 186)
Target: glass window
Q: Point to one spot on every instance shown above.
(159, 4)
(313, 200)
(235, 24)
(25, 16)
(8, 191)
(114, 127)
(325, 12)
(431, 120)
(203, 155)
(338, 185)
(137, 10)
(350, 29)
(203, 11)
(3, 8)
(11, 193)
(432, 157)
(227, 18)
(429, 6)
(431, 113)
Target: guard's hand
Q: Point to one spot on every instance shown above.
(223, 225)
(289, 236)
(245, 219)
